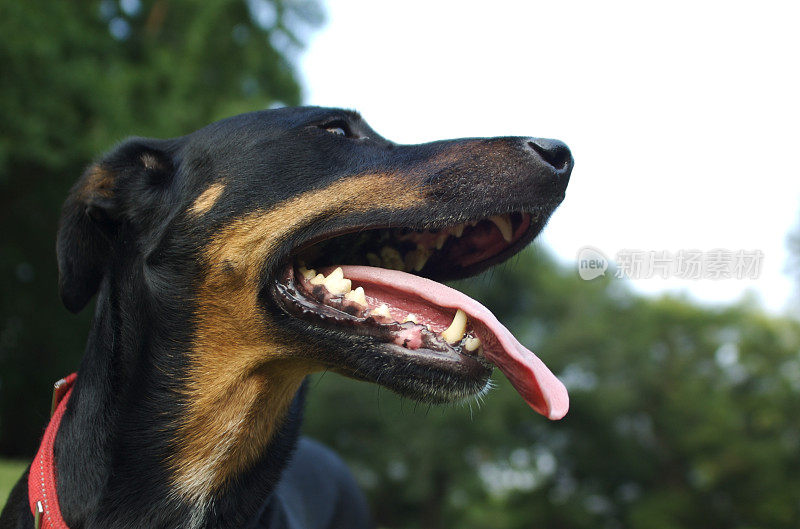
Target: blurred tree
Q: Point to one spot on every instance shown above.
(77, 77)
(681, 417)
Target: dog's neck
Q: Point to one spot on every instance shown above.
(117, 439)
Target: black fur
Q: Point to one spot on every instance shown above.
(126, 236)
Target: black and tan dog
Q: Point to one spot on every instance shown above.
(230, 263)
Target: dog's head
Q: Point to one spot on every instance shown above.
(274, 244)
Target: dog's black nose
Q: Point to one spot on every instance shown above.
(554, 153)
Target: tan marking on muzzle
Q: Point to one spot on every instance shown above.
(242, 379)
(207, 199)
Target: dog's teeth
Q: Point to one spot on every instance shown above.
(472, 343)
(317, 279)
(408, 261)
(412, 318)
(382, 311)
(336, 283)
(373, 259)
(503, 224)
(457, 230)
(473, 223)
(456, 331)
(416, 259)
(357, 296)
(441, 239)
(344, 286)
(308, 274)
(391, 258)
(421, 258)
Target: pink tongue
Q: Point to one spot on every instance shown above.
(529, 376)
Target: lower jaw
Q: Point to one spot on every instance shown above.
(420, 376)
(364, 349)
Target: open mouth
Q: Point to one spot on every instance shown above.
(377, 286)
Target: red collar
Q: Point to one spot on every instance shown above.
(42, 477)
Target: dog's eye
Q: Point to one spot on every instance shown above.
(339, 128)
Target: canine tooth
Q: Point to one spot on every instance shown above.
(336, 283)
(455, 332)
(416, 259)
(383, 311)
(373, 259)
(457, 230)
(472, 343)
(503, 224)
(411, 317)
(357, 296)
(391, 258)
(440, 240)
(308, 274)
(473, 223)
(317, 280)
(420, 258)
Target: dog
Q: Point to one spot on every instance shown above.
(231, 263)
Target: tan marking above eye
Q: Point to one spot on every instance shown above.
(207, 199)
(242, 377)
(99, 182)
(150, 161)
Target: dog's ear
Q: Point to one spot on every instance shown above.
(93, 211)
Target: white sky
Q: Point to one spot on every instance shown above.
(683, 117)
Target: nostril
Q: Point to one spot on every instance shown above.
(553, 152)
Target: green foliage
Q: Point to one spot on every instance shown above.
(680, 417)
(10, 472)
(78, 77)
